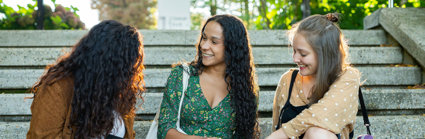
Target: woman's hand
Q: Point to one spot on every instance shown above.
(174, 134)
(278, 134)
(210, 138)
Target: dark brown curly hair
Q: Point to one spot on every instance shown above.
(106, 66)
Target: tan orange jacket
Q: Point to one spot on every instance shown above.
(51, 110)
(335, 112)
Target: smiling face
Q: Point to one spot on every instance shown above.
(304, 56)
(212, 45)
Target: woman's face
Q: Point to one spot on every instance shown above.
(212, 45)
(304, 56)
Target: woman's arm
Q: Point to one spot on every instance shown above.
(49, 111)
(278, 98)
(174, 134)
(170, 103)
(334, 111)
(279, 134)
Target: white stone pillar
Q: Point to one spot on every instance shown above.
(174, 14)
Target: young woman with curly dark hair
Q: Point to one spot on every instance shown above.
(221, 97)
(92, 91)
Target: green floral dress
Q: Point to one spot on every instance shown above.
(197, 117)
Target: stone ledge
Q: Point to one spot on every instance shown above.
(375, 99)
(156, 77)
(20, 38)
(170, 55)
(406, 25)
(381, 127)
(372, 21)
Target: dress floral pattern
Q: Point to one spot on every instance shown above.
(197, 116)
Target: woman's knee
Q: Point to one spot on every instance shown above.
(318, 133)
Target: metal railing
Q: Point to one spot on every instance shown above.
(390, 3)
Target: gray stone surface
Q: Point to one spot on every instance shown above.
(22, 55)
(21, 38)
(375, 55)
(375, 99)
(371, 75)
(14, 130)
(390, 75)
(156, 77)
(381, 127)
(407, 26)
(170, 55)
(71, 37)
(372, 21)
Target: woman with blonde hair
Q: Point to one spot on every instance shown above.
(319, 98)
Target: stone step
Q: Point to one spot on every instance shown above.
(170, 55)
(25, 38)
(156, 77)
(409, 31)
(381, 127)
(375, 99)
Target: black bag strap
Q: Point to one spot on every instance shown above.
(294, 75)
(364, 111)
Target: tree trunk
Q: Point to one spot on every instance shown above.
(40, 14)
(247, 15)
(213, 7)
(263, 11)
(306, 8)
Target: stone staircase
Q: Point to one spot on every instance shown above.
(395, 111)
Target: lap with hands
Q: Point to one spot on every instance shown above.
(313, 132)
(174, 134)
(278, 134)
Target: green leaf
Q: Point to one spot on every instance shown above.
(75, 9)
(64, 26)
(56, 20)
(30, 6)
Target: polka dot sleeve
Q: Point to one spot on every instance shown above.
(334, 111)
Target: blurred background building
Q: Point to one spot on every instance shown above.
(174, 14)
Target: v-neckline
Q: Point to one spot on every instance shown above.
(299, 87)
(205, 99)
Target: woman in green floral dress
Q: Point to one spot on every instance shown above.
(221, 97)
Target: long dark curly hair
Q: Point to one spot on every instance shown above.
(240, 74)
(106, 66)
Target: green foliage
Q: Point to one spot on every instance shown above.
(26, 17)
(196, 19)
(21, 19)
(278, 14)
(351, 12)
(282, 14)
